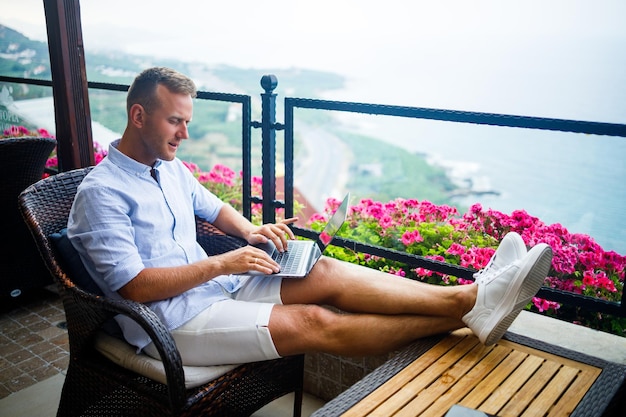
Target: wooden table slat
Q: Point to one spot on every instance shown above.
(568, 401)
(546, 398)
(507, 379)
(493, 381)
(447, 381)
(407, 374)
(546, 355)
(465, 385)
(519, 380)
(424, 378)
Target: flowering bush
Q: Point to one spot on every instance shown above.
(228, 186)
(52, 164)
(441, 233)
(21, 131)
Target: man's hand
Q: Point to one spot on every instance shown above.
(245, 259)
(278, 233)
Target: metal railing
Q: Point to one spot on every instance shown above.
(270, 204)
(562, 125)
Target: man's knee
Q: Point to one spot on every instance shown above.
(300, 328)
(315, 317)
(328, 269)
(317, 322)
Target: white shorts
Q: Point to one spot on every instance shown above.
(230, 331)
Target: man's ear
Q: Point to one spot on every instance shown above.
(136, 115)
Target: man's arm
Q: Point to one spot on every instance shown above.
(153, 284)
(159, 283)
(231, 222)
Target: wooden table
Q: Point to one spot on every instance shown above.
(516, 377)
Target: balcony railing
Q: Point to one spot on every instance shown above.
(270, 204)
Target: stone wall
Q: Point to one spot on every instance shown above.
(326, 376)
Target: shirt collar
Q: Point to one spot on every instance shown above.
(127, 163)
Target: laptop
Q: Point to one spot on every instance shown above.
(301, 255)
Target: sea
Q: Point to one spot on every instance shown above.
(576, 180)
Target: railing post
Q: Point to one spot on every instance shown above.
(268, 146)
(289, 154)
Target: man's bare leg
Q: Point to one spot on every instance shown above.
(357, 289)
(302, 328)
(390, 310)
(385, 312)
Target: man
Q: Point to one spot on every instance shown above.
(133, 224)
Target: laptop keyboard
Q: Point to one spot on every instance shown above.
(289, 260)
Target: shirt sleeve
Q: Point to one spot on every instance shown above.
(102, 233)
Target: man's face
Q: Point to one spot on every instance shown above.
(165, 127)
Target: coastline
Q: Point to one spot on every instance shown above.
(561, 178)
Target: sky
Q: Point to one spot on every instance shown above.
(327, 30)
(517, 57)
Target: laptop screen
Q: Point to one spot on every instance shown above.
(334, 223)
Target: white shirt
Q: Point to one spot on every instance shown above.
(123, 221)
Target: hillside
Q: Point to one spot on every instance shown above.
(216, 129)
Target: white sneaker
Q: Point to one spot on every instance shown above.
(504, 290)
(511, 248)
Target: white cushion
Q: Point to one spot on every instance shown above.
(123, 354)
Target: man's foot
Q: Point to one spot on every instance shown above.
(511, 248)
(504, 290)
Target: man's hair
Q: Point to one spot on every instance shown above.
(143, 89)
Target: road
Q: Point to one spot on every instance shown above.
(321, 167)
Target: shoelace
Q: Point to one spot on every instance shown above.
(481, 276)
(486, 275)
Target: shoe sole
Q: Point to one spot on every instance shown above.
(535, 274)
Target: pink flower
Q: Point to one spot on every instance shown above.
(385, 221)
(398, 272)
(191, 166)
(545, 305)
(412, 236)
(317, 218)
(423, 272)
(589, 278)
(204, 177)
(476, 258)
(52, 162)
(456, 249)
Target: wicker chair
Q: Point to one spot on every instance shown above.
(22, 162)
(96, 386)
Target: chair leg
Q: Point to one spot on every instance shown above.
(299, 391)
(297, 403)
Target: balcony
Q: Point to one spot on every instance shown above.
(35, 343)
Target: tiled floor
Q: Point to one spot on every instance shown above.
(33, 343)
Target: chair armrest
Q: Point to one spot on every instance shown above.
(213, 240)
(146, 319)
